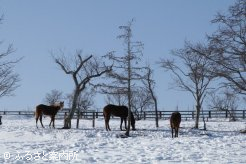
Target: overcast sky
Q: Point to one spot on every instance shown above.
(37, 27)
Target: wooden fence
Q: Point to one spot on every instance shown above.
(238, 114)
(92, 115)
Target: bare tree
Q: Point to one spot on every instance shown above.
(193, 76)
(82, 70)
(225, 101)
(8, 79)
(141, 101)
(228, 46)
(124, 73)
(150, 85)
(53, 97)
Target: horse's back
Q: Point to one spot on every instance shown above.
(119, 111)
(41, 106)
(45, 109)
(175, 119)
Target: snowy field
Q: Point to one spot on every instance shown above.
(21, 142)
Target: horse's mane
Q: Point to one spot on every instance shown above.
(57, 104)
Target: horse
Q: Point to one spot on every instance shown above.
(51, 111)
(175, 122)
(119, 111)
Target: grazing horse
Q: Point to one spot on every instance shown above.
(47, 110)
(175, 122)
(119, 111)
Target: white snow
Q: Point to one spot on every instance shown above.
(22, 142)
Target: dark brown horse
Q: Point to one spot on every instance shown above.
(175, 122)
(119, 111)
(47, 110)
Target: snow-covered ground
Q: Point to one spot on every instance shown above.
(22, 142)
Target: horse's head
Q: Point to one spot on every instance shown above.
(61, 104)
(133, 121)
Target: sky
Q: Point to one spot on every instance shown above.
(36, 28)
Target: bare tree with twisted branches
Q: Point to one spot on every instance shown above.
(82, 70)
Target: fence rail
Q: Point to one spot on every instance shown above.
(238, 114)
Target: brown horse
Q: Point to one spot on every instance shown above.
(175, 122)
(47, 110)
(119, 111)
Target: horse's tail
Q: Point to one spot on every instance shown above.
(133, 121)
(175, 120)
(104, 110)
(37, 112)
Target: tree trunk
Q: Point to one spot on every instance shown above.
(78, 117)
(156, 113)
(129, 123)
(129, 108)
(67, 123)
(129, 89)
(198, 110)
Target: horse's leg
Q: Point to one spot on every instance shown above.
(107, 123)
(121, 121)
(177, 131)
(37, 120)
(54, 122)
(50, 121)
(108, 118)
(125, 123)
(40, 119)
(105, 119)
(172, 132)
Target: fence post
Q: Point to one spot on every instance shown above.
(209, 114)
(160, 114)
(243, 114)
(93, 119)
(65, 116)
(193, 115)
(144, 115)
(226, 114)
